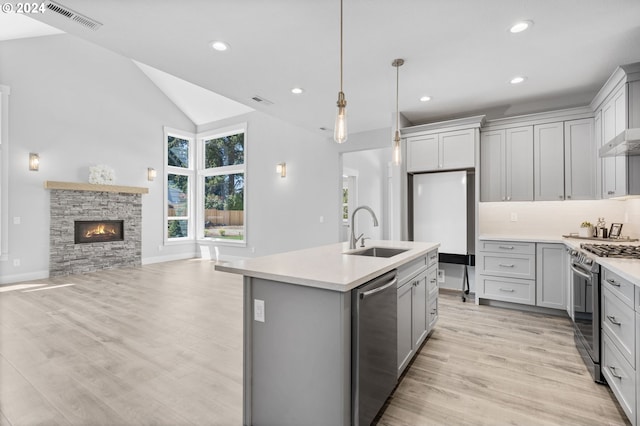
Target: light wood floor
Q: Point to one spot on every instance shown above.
(162, 345)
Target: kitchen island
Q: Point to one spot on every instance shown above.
(298, 327)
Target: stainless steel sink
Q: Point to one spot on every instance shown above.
(379, 252)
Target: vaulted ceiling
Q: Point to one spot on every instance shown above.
(459, 52)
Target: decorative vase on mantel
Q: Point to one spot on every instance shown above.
(101, 175)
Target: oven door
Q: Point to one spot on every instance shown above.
(586, 316)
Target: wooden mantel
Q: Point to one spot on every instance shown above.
(73, 186)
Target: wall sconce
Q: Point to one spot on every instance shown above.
(34, 162)
(151, 173)
(282, 169)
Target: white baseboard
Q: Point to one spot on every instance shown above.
(16, 278)
(168, 258)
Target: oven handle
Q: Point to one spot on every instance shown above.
(579, 272)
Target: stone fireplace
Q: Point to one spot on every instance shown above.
(94, 227)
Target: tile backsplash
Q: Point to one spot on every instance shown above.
(547, 218)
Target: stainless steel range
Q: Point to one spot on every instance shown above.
(613, 250)
(585, 278)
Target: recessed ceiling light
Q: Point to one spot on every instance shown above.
(518, 80)
(220, 46)
(425, 99)
(520, 26)
(297, 90)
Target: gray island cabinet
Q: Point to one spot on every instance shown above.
(298, 328)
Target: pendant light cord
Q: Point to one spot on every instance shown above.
(341, 45)
(397, 97)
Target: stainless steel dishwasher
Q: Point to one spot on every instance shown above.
(374, 349)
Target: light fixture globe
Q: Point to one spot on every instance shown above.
(397, 150)
(340, 133)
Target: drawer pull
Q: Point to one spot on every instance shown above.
(613, 320)
(506, 247)
(506, 265)
(508, 290)
(613, 282)
(612, 370)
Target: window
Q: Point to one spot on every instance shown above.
(211, 176)
(222, 185)
(180, 174)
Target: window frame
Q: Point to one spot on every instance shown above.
(203, 173)
(5, 91)
(190, 172)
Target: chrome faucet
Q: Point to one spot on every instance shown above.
(353, 240)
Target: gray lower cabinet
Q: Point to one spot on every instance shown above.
(620, 321)
(551, 279)
(528, 273)
(417, 306)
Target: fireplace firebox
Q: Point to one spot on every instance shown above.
(98, 231)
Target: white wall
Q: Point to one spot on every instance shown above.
(372, 189)
(285, 213)
(76, 105)
(548, 218)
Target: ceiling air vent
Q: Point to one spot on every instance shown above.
(261, 100)
(73, 15)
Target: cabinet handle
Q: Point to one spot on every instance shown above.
(613, 282)
(506, 247)
(508, 198)
(611, 192)
(433, 280)
(613, 320)
(612, 369)
(434, 312)
(569, 196)
(508, 290)
(560, 196)
(504, 265)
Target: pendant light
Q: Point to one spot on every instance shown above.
(397, 152)
(340, 128)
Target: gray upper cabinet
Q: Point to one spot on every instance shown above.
(579, 160)
(548, 159)
(614, 169)
(506, 164)
(564, 161)
(441, 151)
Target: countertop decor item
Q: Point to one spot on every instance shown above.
(616, 229)
(586, 229)
(101, 174)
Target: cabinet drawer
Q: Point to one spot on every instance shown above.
(618, 320)
(433, 312)
(508, 247)
(412, 269)
(504, 265)
(509, 289)
(621, 287)
(432, 280)
(432, 258)
(620, 376)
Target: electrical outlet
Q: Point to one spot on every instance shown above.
(440, 275)
(514, 217)
(16, 262)
(258, 310)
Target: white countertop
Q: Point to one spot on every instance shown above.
(626, 268)
(328, 267)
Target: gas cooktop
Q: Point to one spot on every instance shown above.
(612, 250)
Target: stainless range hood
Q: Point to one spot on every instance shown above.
(626, 142)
